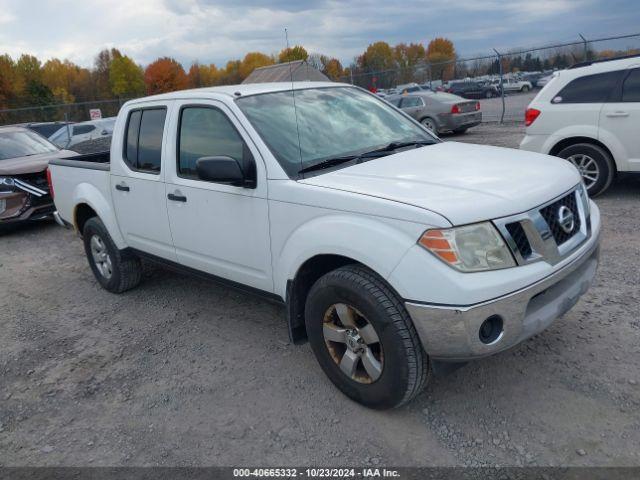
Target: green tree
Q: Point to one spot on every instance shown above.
(125, 77)
(378, 56)
(297, 52)
(102, 69)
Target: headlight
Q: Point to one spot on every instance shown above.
(472, 248)
(584, 195)
(6, 184)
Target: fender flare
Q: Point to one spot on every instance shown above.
(85, 193)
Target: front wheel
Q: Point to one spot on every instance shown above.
(460, 130)
(594, 164)
(364, 339)
(116, 270)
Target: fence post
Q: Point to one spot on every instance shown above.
(501, 84)
(586, 48)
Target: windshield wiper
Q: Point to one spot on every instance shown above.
(390, 147)
(330, 162)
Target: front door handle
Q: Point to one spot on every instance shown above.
(177, 198)
(122, 187)
(618, 114)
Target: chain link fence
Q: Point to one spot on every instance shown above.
(526, 63)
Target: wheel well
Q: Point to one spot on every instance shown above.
(567, 142)
(83, 212)
(298, 289)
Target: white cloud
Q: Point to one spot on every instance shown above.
(219, 30)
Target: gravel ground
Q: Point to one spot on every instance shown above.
(183, 372)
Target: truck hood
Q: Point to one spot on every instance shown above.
(32, 163)
(464, 183)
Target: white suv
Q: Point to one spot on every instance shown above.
(590, 115)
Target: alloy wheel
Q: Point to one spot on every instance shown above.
(427, 122)
(101, 257)
(587, 167)
(353, 343)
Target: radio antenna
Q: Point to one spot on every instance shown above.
(293, 96)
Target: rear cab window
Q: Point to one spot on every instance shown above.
(143, 139)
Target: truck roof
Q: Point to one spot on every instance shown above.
(239, 90)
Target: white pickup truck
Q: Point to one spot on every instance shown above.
(393, 252)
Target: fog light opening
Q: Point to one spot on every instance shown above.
(491, 330)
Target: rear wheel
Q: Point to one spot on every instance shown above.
(525, 88)
(430, 124)
(364, 339)
(488, 94)
(116, 270)
(460, 130)
(594, 164)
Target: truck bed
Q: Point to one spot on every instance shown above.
(81, 179)
(92, 161)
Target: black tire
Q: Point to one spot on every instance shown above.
(488, 94)
(126, 268)
(460, 130)
(428, 120)
(525, 89)
(602, 159)
(405, 370)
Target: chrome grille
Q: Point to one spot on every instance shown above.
(550, 214)
(538, 235)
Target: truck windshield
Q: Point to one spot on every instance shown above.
(23, 143)
(332, 123)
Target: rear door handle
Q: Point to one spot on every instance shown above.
(122, 187)
(177, 198)
(618, 114)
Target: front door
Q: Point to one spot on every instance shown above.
(137, 183)
(621, 119)
(218, 228)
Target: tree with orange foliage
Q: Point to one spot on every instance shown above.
(442, 53)
(165, 75)
(251, 61)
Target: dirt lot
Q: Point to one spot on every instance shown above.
(183, 372)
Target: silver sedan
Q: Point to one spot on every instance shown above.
(439, 111)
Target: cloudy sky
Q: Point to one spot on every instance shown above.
(214, 31)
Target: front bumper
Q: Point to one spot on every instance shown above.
(20, 207)
(451, 333)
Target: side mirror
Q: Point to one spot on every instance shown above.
(220, 169)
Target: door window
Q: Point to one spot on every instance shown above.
(631, 87)
(207, 132)
(82, 129)
(409, 102)
(143, 146)
(589, 89)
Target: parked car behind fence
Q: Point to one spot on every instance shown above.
(439, 111)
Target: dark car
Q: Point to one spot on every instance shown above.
(24, 189)
(46, 129)
(473, 90)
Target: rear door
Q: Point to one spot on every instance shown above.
(137, 180)
(412, 105)
(620, 118)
